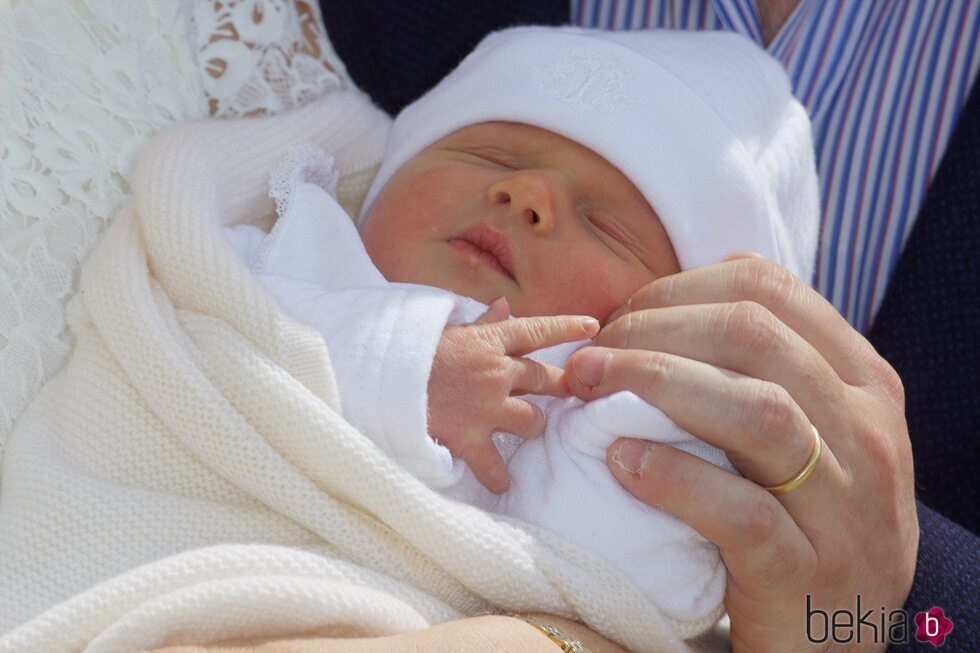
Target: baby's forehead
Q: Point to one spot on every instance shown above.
(521, 138)
(501, 127)
(522, 145)
(503, 133)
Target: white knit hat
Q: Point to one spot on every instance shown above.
(703, 123)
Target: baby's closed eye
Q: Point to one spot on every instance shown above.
(613, 234)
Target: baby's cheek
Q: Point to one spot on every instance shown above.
(388, 252)
(590, 287)
(378, 247)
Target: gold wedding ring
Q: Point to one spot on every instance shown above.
(804, 473)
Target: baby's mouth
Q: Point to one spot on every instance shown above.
(488, 246)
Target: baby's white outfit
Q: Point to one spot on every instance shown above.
(382, 338)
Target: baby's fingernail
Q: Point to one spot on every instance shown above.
(631, 455)
(590, 366)
(591, 325)
(737, 255)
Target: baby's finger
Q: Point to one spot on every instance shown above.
(526, 334)
(534, 378)
(497, 311)
(485, 461)
(521, 417)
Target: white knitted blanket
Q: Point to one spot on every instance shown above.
(189, 476)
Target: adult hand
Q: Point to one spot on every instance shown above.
(745, 356)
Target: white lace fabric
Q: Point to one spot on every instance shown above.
(83, 84)
(263, 56)
(304, 163)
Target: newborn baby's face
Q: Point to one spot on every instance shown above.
(507, 209)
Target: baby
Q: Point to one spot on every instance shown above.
(553, 173)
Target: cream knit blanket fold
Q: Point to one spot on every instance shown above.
(189, 476)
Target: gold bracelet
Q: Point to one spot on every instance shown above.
(560, 639)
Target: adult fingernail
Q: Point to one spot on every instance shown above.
(631, 455)
(590, 366)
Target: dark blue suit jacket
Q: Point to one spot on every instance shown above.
(926, 328)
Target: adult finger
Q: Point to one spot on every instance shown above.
(521, 417)
(523, 335)
(533, 378)
(766, 435)
(759, 541)
(794, 303)
(743, 337)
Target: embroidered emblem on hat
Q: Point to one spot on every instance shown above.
(591, 78)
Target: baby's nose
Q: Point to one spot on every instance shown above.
(530, 196)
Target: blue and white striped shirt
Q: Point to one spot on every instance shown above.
(883, 82)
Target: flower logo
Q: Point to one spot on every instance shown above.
(932, 627)
(591, 78)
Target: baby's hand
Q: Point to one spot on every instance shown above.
(479, 368)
